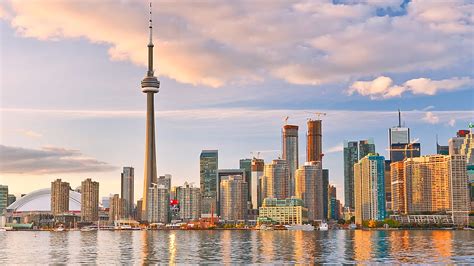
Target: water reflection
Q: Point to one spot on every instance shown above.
(217, 247)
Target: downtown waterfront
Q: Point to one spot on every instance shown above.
(237, 246)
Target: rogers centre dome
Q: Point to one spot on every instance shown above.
(40, 201)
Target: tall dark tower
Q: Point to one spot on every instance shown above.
(314, 149)
(150, 86)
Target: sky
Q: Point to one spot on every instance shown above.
(71, 106)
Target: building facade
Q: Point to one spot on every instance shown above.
(258, 166)
(365, 147)
(189, 200)
(351, 156)
(314, 141)
(309, 188)
(275, 180)
(325, 193)
(397, 177)
(3, 198)
(246, 165)
(224, 174)
(369, 182)
(59, 197)
(89, 200)
(208, 180)
(127, 184)
(117, 208)
(11, 199)
(290, 153)
(233, 198)
(158, 211)
(284, 211)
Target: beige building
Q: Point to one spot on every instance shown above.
(284, 211)
(59, 197)
(89, 200)
(467, 148)
(189, 199)
(309, 188)
(158, 205)
(118, 208)
(438, 183)
(233, 198)
(276, 180)
(397, 176)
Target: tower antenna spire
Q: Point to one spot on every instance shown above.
(399, 118)
(150, 26)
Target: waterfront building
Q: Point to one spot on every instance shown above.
(369, 190)
(233, 198)
(127, 184)
(3, 198)
(158, 205)
(325, 193)
(397, 177)
(314, 141)
(208, 181)
(388, 186)
(117, 208)
(284, 211)
(275, 180)
(11, 199)
(255, 192)
(309, 188)
(223, 174)
(470, 177)
(89, 200)
(290, 154)
(59, 197)
(353, 151)
(437, 183)
(150, 85)
(189, 200)
(246, 165)
(138, 213)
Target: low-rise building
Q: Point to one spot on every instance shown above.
(284, 211)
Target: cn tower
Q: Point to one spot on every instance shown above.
(150, 86)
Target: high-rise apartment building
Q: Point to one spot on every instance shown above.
(138, 213)
(118, 207)
(397, 177)
(388, 186)
(158, 207)
(325, 193)
(246, 165)
(3, 198)
(467, 148)
(164, 180)
(437, 183)
(189, 200)
(127, 184)
(208, 180)
(309, 188)
(233, 198)
(223, 174)
(89, 200)
(290, 153)
(369, 184)
(275, 181)
(59, 197)
(255, 191)
(314, 141)
(365, 147)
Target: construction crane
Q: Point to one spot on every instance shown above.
(318, 114)
(261, 152)
(286, 119)
(411, 149)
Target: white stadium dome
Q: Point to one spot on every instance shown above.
(40, 201)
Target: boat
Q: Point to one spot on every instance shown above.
(323, 226)
(59, 228)
(88, 229)
(265, 227)
(2, 229)
(300, 227)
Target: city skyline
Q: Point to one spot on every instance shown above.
(82, 126)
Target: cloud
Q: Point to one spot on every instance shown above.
(383, 87)
(48, 160)
(431, 118)
(30, 133)
(223, 42)
(452, 122)
(338, 148)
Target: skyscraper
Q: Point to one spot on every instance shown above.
(89, 200)
(3, 198)
(397, 175)
(309, 188)
(164, 180)
(127, 188)
(223, 174)
(189, 199)
(233, 198)
(290, 153)
(275, 181)
(365, 147)
(351, 155)
(398, 138)
(117, 208)
(158, 209)
(325, 193)
(150, 85)
(208, 178)
(246, 165)
(369, 188)
(11, 199)
(59, 197)
(255, 190)
(314, 140)
(467, 148)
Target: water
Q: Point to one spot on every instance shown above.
(138, 247)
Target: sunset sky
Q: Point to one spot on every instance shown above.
(72, 108)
